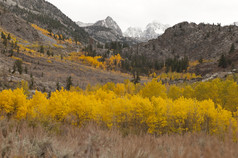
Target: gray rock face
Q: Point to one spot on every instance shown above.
(191, 40)
(102, 34)
(111, 24)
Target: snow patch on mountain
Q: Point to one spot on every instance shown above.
(81, 24)
(134, 32)
(152, 30)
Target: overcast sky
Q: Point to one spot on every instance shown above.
(138, 13)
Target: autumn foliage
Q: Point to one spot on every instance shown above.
(152, 108)
(112, 63)
(176, 76)
(58, 37)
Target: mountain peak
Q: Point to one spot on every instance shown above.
(134, 32)
(109, 23)
(151, 31)
(108, 18)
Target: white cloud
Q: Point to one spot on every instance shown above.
(140, 12)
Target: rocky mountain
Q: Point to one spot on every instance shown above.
(192, 40)
(109, 23)
(152, 31)
(108, 30)
(46, 16)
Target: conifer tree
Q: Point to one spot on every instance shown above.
(68, 83)
(222, 61)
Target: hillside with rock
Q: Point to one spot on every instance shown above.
(191, 40)
(18, 26)
(46, 15)
(35, 55)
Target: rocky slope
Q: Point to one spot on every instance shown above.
(191, 40)
(47, 16)
(17, 26)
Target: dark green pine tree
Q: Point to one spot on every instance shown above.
(222, 61)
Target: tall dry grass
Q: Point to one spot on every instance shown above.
(21, 139)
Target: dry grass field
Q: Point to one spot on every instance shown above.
(21, 139)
